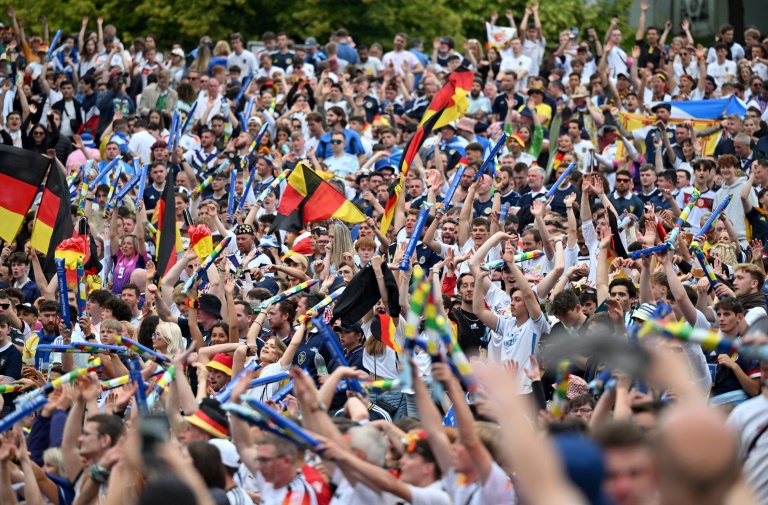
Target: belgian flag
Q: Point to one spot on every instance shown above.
(411, 150)
(21, 174)
(451, 99)
(168, 240)
(53, 223)
(308, 198)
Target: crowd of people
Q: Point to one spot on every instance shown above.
(569, 399)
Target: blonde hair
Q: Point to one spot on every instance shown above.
(55, 458)
(178, 296)
(172, 333)
(203, 58)
(221, 48)
(342, 242)
(112, 324)
(129, 328)
(726, 253)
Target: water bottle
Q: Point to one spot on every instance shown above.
(320, 363)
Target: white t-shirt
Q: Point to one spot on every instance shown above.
(141, 144)
(513, 342)
(516, 64)
(748, 421)
(297, 491)
(245, 60)
(494, 254)
(534, 49)
(397, 58)
(384, 366)
(265, 392)
(617, 61)
(692, 69)
(720, 71)
(497, 489)
(537, 266)
(434, 494)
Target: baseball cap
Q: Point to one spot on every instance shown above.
(310, 41)
(644, 312)
(178, 52)
(354, 327)
(229, 456)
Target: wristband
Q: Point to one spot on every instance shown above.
(192, 304)
(99, 474)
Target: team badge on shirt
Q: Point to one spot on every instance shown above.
(302, 357)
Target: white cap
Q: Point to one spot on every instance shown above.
(178, 52)
(229, 456)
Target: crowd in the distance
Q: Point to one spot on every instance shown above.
(569, 399)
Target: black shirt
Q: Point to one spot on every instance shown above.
(472, 332)
(648, 54)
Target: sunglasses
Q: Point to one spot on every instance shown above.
(336, 142)
(5, 306)
(622, 180)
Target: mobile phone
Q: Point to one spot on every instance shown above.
(154, 431)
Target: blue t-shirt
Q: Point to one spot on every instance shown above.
(354, 145)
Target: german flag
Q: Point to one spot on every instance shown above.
(21, 174)
(383, 328)
(308, 198)
(452, 98)
(411, 150)
(168, 239)
(53, 223)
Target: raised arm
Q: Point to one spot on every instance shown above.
(465, 216)
(537, 209)
(487, 317)
(746, 192)
(601, 276)
(640, 34)
(431, 418)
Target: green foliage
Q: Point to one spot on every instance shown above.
(367, 20)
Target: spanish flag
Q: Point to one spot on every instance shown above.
(309, 198)
(168, 239)
(21, 174)
(53, 223)
(411, 150)
(451, 99)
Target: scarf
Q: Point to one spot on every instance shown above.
(42, 358)
(753, 300)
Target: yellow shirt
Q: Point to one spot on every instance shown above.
(542, 108)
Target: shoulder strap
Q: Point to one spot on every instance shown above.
(753, 444)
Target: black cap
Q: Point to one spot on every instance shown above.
(354, 327)
(481, 127)
(661, 105)
(29, 308)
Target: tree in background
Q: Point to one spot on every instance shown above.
(368, 21)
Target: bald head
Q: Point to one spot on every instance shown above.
(139, 277)
(697, 457)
